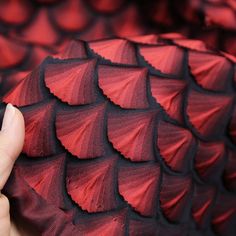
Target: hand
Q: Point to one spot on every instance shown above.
(11, 142)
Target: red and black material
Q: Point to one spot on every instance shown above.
(129, 136)
(213, 21)
(31, 30)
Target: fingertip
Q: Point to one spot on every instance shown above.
(4, 206)
(20, 126)
(12, 115)
(11, 141)
(4, 215)
(12, 133)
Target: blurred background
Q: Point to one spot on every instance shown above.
(30, 30)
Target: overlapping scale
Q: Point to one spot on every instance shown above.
(224, 215)
(72, 49)
(19, 95)
(112, 224)
(45, 176)
(105, 19)
(211, 21)
(72, 82)
(174, 196)
(12, 52)
(144, 39)
(40, 30)
(128, 23)
(91, 185)
(39, 135)
(174, 144)
(98, 30)
(164, 58)
(222, 16)
(203, 202)
(116, 50)
(37, 55)
(230, 171)
(210, 71)
(80, 130)
(131, 134)
(141, 189)
(15, 12)
(14, 79)
(60, 221)
(193, 44)
(209, 160)
(205, 112)
(75, 15)
(127, 87)
(161, 148)
(169, 93)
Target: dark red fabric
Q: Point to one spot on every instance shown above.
(31, 30)
(133, 142)
(213, 21)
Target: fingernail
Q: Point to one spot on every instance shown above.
(8, 117)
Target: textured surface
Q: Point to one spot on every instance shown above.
(139, 142)
(31, 30)
(34, 29)
(213, 21)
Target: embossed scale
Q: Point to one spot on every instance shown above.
(134, 140)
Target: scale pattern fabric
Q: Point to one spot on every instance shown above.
(45, 25)
(213, 21)
(128, 137)
(31, 30)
